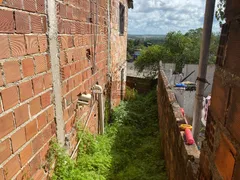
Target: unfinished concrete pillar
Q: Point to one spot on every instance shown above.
(54, 53)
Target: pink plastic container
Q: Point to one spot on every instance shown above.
(189, 136)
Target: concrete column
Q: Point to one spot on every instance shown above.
(54, 54)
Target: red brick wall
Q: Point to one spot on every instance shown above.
(118, 51)
(82, 29)
(220, 155)
(27, 101)
(181, 159)
(26, 109)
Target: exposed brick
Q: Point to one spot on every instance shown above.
(43, 44)
(69, 12)
(48, 61)
(41, 6)
(69, 125)
(37, 143)
(46, 99)
(21, 114)
(12, 71)
(42, 120)
(63, 59)
(38, 85)
(12, 167)
(25, 173)
(35, 106)
(6, 124)
(62, 10)
(26, 154)
(225, 158)
(65, 72)
(65, 114)
(43, 152)
(50, 113)
(44, 22)
(60, 25)
(32, 44)
(36, 23)
(29, 5)
(66, 42)
(4, 50)
(1, 174)
(47, 80)
(66, 27)
(31, 129)
(39, 175)
(47, 133)
(237, 172)
(28, 67)
(35, 164)
(9, 97)
(25, 89)
(232, 52)
(233, 123)
(70, 56)
(5, 150)
(18, 139)
(14, 3)
(6, 21)
(22, 22)
(41, 63)
(17, 43)
(54, 128)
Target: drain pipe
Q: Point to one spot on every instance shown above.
(98, 90)
(202, 68)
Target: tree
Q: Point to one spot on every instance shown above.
(149, 60)
(220, 13)
(178, 48)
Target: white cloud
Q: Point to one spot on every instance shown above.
(162, 16)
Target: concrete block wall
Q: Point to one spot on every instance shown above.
(51, 51)
(220, 155)
(181, 159)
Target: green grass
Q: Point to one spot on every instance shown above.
(129, 150)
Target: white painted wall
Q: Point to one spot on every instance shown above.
(188, 68)
(186, 101)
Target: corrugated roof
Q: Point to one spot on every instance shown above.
(130, 4)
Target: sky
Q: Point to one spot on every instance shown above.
(162, 16)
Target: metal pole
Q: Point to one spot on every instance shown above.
(202, 68)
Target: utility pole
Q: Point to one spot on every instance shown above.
(202, 68)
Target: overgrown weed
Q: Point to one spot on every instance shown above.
(129, 150)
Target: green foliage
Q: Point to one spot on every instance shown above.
(178, 48)
(107, 110)
(220, 12)
(149, 59)
(130, 94)
(129, 150)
